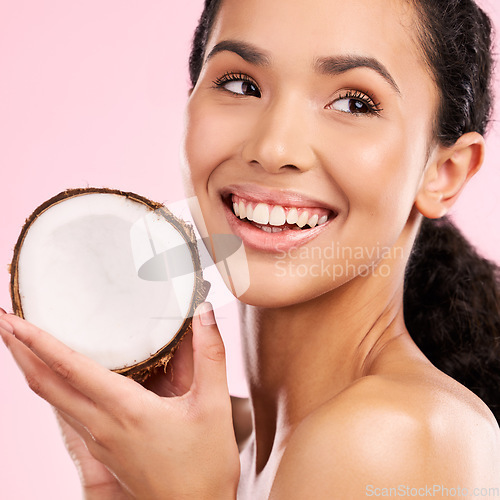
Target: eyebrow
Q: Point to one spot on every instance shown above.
(334, 65)
(337, 65)
(246, 51)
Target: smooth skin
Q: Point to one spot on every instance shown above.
(115, 428)
(341, 398)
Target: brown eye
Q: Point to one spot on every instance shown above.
(355, 102)
(356, 106)
(350, 105)
(242, 87)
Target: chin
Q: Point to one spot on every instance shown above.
(268, 289)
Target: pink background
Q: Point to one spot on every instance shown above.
(92, 93)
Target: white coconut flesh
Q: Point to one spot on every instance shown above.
(108, 276)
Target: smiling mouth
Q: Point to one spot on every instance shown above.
(277, 218)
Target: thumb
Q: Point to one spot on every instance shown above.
(209, 355)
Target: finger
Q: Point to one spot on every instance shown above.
(77, 440)
(105, 388)
(182, 363)
(70, 427)
(74, 434)
(44, 382)
(177, 379)
(209, 355)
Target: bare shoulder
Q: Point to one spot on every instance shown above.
(417, 429)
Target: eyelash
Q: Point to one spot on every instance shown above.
(369, 101)
(232, 77)
(366, 99)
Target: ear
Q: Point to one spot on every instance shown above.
(447, 173)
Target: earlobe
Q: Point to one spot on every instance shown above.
(447, 174)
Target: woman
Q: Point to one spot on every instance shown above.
(336, 147)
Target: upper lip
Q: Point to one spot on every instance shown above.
(285, 198)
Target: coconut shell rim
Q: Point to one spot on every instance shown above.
(142, 369)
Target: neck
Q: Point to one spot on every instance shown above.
(300, 356)
(332, 339)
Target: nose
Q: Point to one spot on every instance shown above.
(281, 137)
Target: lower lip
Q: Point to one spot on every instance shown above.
(258, 239)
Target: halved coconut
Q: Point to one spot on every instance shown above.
(111, 274)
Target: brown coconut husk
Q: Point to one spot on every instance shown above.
(159, 360)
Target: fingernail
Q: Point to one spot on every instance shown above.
(2, 311)
(6, 327)
(206, 313)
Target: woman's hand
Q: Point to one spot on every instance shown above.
(97, 481)
(158, 447)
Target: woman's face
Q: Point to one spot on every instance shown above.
(318, 106)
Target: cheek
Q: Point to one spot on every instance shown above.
(378, 169)
(201, 142)
(214, 134)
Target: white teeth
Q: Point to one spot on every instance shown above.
(277, 216)
(313, 220)
(293, 216)
(271, 229)
(304, 217)
(261, 214)
(249, 212)
(242, 210)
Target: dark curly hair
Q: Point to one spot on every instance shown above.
(455, 36)
(452, 294)
(452, 308)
